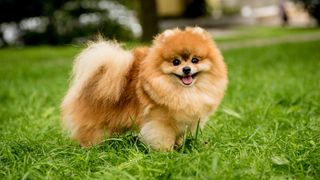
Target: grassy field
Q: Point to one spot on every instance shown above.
(268, 126)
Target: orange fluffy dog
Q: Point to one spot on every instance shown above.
(163, 90)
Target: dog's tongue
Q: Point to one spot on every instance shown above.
(187, 80)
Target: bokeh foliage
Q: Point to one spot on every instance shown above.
(313, 7)
(61, 20)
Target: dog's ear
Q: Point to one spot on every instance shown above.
(198, 30)
(140, 52)
(165, 35)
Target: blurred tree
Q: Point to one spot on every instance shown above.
(195, 8)
(313, 7)
(65, 21)
(16, 10)
(148, 19)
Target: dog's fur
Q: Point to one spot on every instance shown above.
(115, 90)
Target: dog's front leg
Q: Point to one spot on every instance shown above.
(158, 135)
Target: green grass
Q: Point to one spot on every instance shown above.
(250, 33)
(268, 126)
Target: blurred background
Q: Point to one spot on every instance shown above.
(57, 22)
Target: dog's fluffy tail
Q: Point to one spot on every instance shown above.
(103, 65)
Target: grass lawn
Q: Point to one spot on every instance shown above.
(268, 125)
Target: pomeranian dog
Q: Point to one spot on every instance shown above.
(164, 90)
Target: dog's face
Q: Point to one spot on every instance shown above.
(184, 70)
(185, 56)
(184, 65)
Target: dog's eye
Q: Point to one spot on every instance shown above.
(194, 60)
(176, 62)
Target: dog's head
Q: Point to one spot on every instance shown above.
(185, 55)
(183, 60)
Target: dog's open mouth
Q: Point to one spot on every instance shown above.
(188, 79)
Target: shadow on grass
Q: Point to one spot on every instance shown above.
(131, 142)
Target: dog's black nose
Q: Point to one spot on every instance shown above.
(186, 70)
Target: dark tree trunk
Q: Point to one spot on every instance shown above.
(195, 8)
(148, 18)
